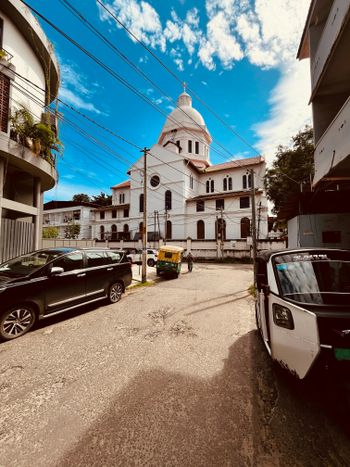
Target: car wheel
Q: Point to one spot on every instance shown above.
(115, 292)
(150, 262)
(16, 321)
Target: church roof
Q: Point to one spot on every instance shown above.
(198, 164)
(225, 194)
(125, 184)
(235, 164)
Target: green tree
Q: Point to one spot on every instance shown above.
(292, 169)
(102, 199)
(50, 232)
(72, 230)
(81, 198)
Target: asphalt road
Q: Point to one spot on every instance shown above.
(173, 375)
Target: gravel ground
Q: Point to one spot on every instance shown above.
(173, 375)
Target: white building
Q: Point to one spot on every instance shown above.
(186, 195)
(29, 76)
(60, 214)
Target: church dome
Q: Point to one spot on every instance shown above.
(184, 116)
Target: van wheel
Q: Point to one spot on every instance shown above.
(115, 292)
(150, 262)
(16, 321)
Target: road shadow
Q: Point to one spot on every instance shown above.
(247, 415)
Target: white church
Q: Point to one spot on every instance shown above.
(187, 196)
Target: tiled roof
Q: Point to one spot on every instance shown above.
(224, 194)
(112, 207)
(235, 164)
(125, 184)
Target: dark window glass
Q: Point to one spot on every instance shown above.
(102, 214)
(114, 214)
(141, 203)
(212, 186)
(168, 255)
(245, 227)
(4, 102)
(191, 181)
(102, 232)
(244, 182)
(190, 146)
(230, 183)
(196, 145)
(168, 230)
(168, 200)
(200, 206)
(207, 186)
(249, 180)
(225, 184)
(126, 212)
(220, 203)
(96, 258)
(126, 228)
(114, 256)
(155, 180)
(244, 202)
(114, 232)
(70, 262)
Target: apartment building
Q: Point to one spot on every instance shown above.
(29, 80)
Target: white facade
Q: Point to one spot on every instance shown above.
(184, 191)
(25, 54)
(326, 41)
(66, 214)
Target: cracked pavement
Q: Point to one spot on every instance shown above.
(174, 374)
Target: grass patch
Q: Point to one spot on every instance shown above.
(141, 284)
(252, 290)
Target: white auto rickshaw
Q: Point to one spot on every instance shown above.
(303, 306)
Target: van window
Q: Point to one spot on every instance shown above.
(70, 262)
(96, 258)
(114, 257)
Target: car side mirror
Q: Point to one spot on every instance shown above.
(56, 271)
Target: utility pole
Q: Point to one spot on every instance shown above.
(251, 171)
(165, 225)
(259, 219)
(222, 234)
(154, 229)
(144, 226)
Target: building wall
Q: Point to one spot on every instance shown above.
(60, 218)
(320, 230)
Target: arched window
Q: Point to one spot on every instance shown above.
(168, 200)
(200, 230)
(126, 228)
(225, 184)
(245, 227)
(212, 186)
(113, 232)
(244, 182)
(230, 183)
(141, 203)
(102, 232)
(189, 146)
(207, 186)
(168, 230)
(247, 181)
(220, 229)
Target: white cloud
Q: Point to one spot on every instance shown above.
(72, 98)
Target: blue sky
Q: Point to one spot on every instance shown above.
(237, 55)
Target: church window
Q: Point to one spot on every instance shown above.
(244, 202)
(200, 230)
(245, 227)
(114, 213)
(168, 230)
(230, 183)
(114, 232)
(191, 181)
(102, 214)
(168, 200)
(190, 146)
(121, 198)
(126, 212)
(141, 203)
(225, 184)
(212, 186)
(220, 204)
(196, 146)
(200, 206)
(207, 186)
(102, 232)
(155, 180)
(247, 181)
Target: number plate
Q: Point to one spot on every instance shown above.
(342, 354)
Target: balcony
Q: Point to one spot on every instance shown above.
(331, 31)
(332, 153)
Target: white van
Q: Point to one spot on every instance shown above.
(303, 306)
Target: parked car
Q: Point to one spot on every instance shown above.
(50, 281)
(134, 255)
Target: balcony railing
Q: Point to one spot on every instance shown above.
(330, 33)
(334, 146)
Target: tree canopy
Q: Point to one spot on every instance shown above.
(81, 198)
(292, 169)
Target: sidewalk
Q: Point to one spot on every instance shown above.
(137, 273)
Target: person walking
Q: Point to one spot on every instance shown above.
(189, 259)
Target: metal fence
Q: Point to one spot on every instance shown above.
(16, 238)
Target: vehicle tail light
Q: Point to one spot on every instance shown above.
(282, 316)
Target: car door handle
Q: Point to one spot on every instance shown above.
(109, 269)
(83, 274)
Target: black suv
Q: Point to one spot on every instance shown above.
(46, 282)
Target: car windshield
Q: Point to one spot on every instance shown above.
(27, 264)
(315, 277)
